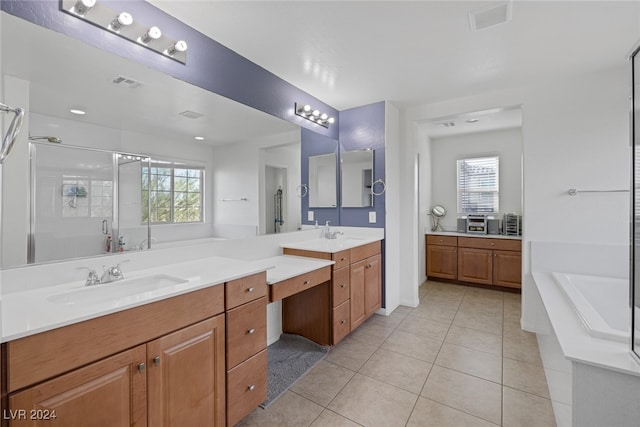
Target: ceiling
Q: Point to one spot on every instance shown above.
(352, 53)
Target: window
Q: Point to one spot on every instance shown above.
(478, 185)
(172, 195)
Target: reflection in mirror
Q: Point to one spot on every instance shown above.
(357, 178)
(130, 108)
(322, 181)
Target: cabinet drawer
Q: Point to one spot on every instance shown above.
(340, 284)
(365, 251)
(341, 321)
(246, 331)
(442, 240)
(245, 289)
(299, 283)
(488, 243)
(246, 387)
(342, 259)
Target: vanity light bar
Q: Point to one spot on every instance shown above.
(123, 24)
(305, 110)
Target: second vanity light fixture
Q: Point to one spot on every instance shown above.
(123, 24)
(316, 116)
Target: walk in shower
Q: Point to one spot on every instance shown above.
(84, 202)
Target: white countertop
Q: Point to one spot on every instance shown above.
(457, 234)
(285, 267)
(30, 312)
(575, 341)
(331, 245)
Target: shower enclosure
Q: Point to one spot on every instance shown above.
(84, 202)
(635, 206)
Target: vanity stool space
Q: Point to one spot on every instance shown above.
(352, 294)
(194, 359)
(494, 261)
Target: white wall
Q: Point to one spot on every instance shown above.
(506, 143)
(575, 134)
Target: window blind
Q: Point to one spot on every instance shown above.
(478, 190)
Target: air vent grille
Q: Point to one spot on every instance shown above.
(191, 114)
(126, 82)
(489, 16)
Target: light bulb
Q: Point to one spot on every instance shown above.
(82, 6)
(330, 120)
(324, 116)
(316, 113)
(307, 108)
(177, 47)
(152, 33)
(124, 19)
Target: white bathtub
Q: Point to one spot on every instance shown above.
(601, 303)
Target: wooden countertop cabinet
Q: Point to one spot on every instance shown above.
(481, 260)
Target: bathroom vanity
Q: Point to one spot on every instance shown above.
(494, 261)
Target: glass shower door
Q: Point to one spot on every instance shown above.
(72, 202)
(635, 206)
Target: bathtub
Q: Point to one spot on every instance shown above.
(601, 303)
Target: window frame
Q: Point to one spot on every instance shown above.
(172, 190)
(463, 207)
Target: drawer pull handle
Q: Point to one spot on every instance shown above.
(342, 259)
(493, 244)
(306, 282)
(251, 387)
(251, 331)
(141, 368)
(343, 322)
(250, 289)
(156, 361)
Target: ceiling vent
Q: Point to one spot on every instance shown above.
(126, 82)
(489, 16)
(191, 114)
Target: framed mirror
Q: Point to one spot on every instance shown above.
(322, 181)
(357, 178)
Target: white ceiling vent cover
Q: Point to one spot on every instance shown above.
(191, 114)
(126, 82)
(489, 16)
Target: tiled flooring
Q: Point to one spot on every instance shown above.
(458, 359)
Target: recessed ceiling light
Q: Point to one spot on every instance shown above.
(472, 120)
(199, 138)
(78, 112)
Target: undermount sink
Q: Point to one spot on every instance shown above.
(115, 290)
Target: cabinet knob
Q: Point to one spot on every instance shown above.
(306, 282)
(343, 285)
(251, 387)
(250, 289)
(493, 244)
(141, 368)
(156, 361)
(342, 322)
(342, 259)
(251, 331)
(368, 265)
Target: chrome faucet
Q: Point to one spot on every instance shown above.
(141, 246)
(112, 274)
(92, 277)
(334, 234)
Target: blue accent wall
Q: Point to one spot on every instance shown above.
(210, 65)
(313, 144)
(360, 128)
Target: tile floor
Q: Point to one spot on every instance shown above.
(458, 359)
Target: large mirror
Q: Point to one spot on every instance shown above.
(357, 178)
(322, 181)
(244, 157)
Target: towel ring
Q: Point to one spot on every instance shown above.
(299, 192)
(384, 187)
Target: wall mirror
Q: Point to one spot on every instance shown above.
(133, 109)
(322, 181)
(357, 178)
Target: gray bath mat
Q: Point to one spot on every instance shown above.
(288, 359)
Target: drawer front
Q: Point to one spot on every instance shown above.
(340, 285)
(246, 387)
(299, 283)
(442, 240)
(342, 259)
(365, 251)
(241, 291)
(246, 331)
(341, 321)
(488, 243)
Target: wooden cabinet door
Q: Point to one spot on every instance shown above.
(111, 392)
(357, 293)
(442, 261)
(507, 268)
(475, 265)
(372, 285)
(186, 376)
